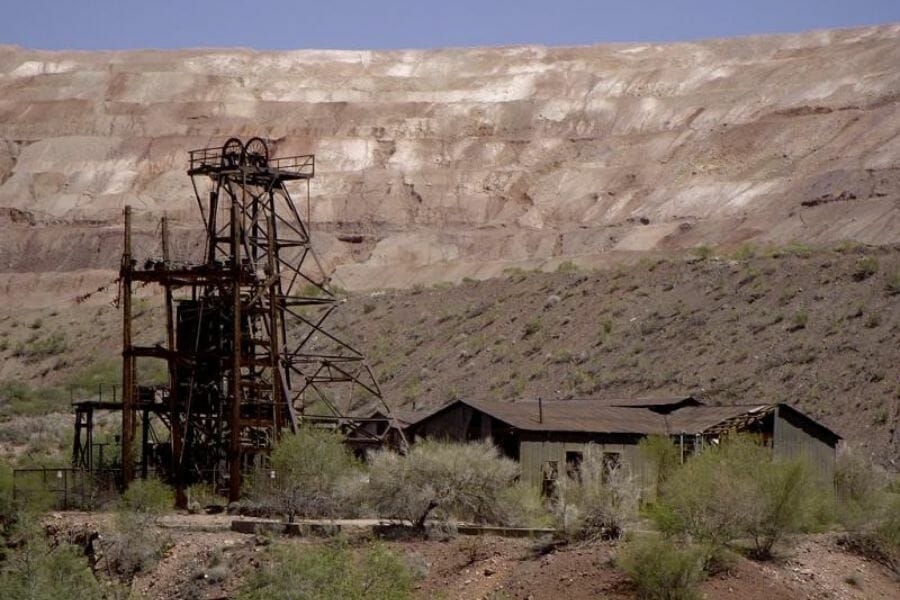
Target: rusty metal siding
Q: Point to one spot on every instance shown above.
(792, 440)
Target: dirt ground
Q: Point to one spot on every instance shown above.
(207, 561)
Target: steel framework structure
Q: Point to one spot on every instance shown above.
(247, 348)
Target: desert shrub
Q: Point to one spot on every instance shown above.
(661, 455)
(887, 533)
(448, 480)
(744, 252)
(521, 505)
(879, 540)
(36, 571)
(798, 249)
(600, 501)
(38, 348)
(18, 398)
(135, 545)
(532, 327)
(105, 372)
(892, 284)
(202, 495)
(149, 497)
(859, 490)
(738, 488)
(702, 252)
(865, 268)
(330, 572)
(786, 494)
(310, 469)
(661, 570)
(567, 266)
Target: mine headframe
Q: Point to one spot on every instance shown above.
(247, 348)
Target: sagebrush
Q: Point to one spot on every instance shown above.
(441, 479)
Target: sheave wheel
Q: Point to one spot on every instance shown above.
(232, 153)
(257, 152)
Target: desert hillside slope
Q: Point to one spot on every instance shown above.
(448, 163)
(818, 329)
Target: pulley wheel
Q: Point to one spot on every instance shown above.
(257, 152)
(232, 153)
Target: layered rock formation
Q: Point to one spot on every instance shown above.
(434, 165)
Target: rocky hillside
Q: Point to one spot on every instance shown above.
(435, 165)
(817, 329)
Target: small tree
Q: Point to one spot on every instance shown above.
(310, 468)
(786, 499)
(465, 481)
(738, 488)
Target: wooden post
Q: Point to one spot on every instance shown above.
(128, 420)
(234, 420)
(279, 393)
(174, 410)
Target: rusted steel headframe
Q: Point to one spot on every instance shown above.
(247, 348)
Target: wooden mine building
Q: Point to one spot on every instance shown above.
(549, 438)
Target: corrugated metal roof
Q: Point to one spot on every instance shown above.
(598, 416)
(697, 419)
(591, 416)
(630, 402)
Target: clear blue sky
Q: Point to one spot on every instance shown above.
(286, 24)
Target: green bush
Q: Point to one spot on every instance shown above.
(892, 284)
(18, 398)
(330, 572)
(521, 505)
(149, 497)
(738, 489)
(661, 455)
(865, 268)
(567, 266)
(744, 252)
(660, 570)
(36, 571)
(464, 481)
(311, 469)
(136, 545)
(859, 491)
(532, 327)
(7, 502)
(38, 348)
(201, 495)
(879, 540)
(703, 252)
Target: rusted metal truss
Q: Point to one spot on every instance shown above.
(248, 350)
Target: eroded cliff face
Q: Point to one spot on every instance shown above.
(435, 165)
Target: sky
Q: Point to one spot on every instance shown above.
(389, 24)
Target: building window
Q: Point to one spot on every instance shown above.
(611, 462)
(573, 464)
(549, 479)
